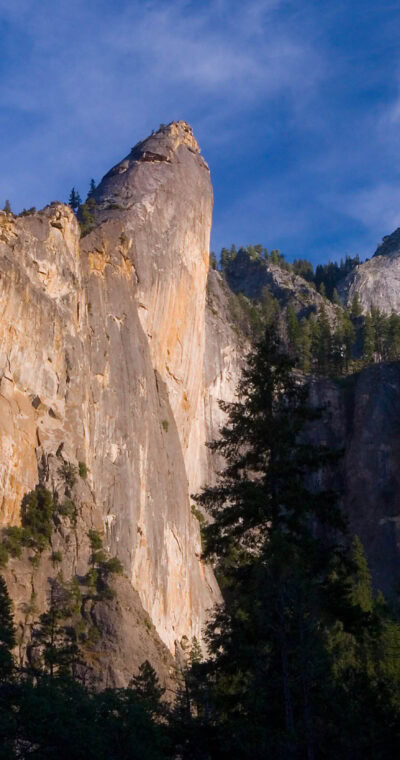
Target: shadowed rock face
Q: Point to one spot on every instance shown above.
(252, 276)
(363, 419)
(103, 360)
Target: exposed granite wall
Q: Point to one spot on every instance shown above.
(103, 359)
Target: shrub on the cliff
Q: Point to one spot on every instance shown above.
(101, 568)
(85, 216)
(113, 566)
(83, 470)
(68, 472)
(14, 538)
(67, 509)
(28, 211)
(95, 540)
(3, 555)
(37, 510)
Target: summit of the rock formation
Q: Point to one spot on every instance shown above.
(130, 181)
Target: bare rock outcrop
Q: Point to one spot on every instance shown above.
(103, 360)
(376, 282)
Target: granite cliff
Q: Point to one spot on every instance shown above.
(109, 355)
(376, 281)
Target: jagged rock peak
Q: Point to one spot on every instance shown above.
(165, 141)
(125, 184)
(390, 245)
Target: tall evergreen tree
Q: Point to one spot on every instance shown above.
(356, 309)
(276, 543)
(92, 189)
(74, 200)
(148, 690)
(368, 337)
(54, 648)
(393, 337)
(293, 329)
(7, 632)
(305, 345)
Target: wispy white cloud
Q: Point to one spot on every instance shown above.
(377, 206)
(89, 78)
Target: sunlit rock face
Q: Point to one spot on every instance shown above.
(42, 327)
(376, 282)
(164, 193)
(103, 359)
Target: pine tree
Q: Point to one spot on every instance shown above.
(361, 591)
(280, 573)
(305, 345)
(392, 350)
(74, 200)
(148, 690)
(213, 260)
(343, 343)
(380, 327)
(321, 342)
(7, 633)
(356, 309)
(85, 216)
(368, 337)
(7, 207)
(293, 329)
(54, 647)
(92, 189)
(269, 307)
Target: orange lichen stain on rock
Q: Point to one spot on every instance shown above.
(18, 465)
(126, 267)
(185, 402)
(98, 261)
(175, 321)
(7, 227)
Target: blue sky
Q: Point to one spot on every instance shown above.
(296, 106)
